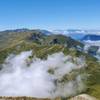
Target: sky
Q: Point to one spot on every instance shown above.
(50, 14)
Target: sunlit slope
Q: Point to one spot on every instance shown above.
(43, 45)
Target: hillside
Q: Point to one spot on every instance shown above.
(43, 45)
(9, 38)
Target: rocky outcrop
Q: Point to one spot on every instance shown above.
(83, 97)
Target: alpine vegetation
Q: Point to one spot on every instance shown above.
(57, 76)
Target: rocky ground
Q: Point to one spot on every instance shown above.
(79, 97)
(83, 97)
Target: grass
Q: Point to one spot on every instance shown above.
(42, 51)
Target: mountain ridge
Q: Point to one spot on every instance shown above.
(42, 45)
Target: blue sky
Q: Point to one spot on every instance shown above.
(50, 14)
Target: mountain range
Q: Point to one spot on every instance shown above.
(44, 43)
(80, 34)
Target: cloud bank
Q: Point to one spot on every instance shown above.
(58, 75)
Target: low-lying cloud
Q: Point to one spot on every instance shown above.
(58, 75)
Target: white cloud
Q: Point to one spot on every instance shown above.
(22, 77)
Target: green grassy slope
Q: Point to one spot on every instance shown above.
(23, 42)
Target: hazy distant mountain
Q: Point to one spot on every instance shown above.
(91, 37)
(79, 34)
(15, 30)
(26, 30)
(75, 34)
